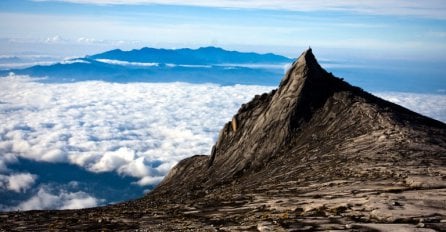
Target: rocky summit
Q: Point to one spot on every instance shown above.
(314, 154)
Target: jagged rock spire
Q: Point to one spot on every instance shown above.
(312, 113)
(265, 124)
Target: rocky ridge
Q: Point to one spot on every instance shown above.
(315, 154)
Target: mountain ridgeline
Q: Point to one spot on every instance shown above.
(187, 56)
(315, 154)
(313, 120)
(202, 65)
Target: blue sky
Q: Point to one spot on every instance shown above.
(394, 29)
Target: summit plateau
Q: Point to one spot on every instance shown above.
(314, 154)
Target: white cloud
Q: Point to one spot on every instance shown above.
(89, 40)
(149, 64)
(24, 64)
(55, 39)
(150, 180)
(428, 9)
(23, 61)
(6, 158)
(74, 61)
(19, 182)
(44, 199)
(431, 105)
(137, 168)
(126, 63)
(79, 200)
(138, 129)
(112, 160)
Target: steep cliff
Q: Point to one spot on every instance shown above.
(314, 126)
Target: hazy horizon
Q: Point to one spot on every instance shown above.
(394, 29)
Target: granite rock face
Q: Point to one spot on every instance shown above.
(313, 120)
(315, 154)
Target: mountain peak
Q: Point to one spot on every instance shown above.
(267, 123)
(307, 58)
(307, 55)
(210, 48)
(310, 105)
(274, 117)
(305, 66)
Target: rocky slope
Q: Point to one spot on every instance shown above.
(315, 154)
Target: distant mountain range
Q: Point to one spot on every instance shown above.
(187, 56)
(202, 65)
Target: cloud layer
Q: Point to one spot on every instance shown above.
(428, 9)
(431, 105)
(139, 129)
(44, 199)
(19, 182)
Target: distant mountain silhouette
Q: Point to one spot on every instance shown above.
(200, 56)
(12, 59)
(203, 65)
(315, 154)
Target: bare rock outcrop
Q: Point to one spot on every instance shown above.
(316, 121)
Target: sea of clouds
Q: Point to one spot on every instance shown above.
(138, 129)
